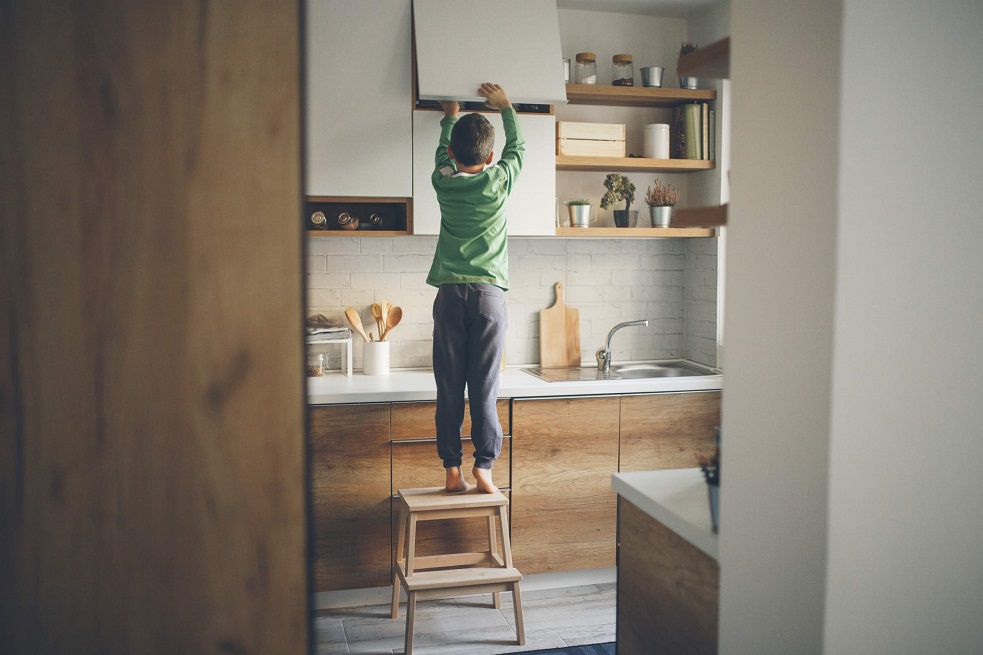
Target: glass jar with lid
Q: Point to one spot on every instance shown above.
(585, 71)
(624, 71)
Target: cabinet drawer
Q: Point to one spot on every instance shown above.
(415, 465)
(415, 420)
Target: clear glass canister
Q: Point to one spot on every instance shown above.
(624, 71)
(315, 364)
(585, 71)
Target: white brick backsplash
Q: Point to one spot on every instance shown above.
(671, 282)
(315, 264)
(376, 246)
(327, 298)
(405, 263)
(332, 246)
(354, 263)
(415, 245)
(328, 281)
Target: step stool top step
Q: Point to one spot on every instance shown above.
(467, 577)
(435, 498)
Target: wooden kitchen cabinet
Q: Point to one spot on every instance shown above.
(359, 98)
(415, 464)
(416, 420)
(667, 430)
(668, 589)
(532, 205)
(350, 483)
(564, 452)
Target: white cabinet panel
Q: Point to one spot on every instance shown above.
(359, 98)
(515, 43)
(532, 205)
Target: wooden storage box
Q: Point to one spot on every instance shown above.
(590, 139)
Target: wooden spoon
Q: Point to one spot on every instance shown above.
(355, 321)
(377, 315)
(395, 316)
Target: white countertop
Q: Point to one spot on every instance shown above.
(677, 498)
(418, 385)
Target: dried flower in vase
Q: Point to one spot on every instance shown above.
(661, 196)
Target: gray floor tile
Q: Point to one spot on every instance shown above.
(470, 626)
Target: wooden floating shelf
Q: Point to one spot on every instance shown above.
(356, 233)
(635, 232)
(632, 164)
(709, 62)
(701, 216)
(635, 96)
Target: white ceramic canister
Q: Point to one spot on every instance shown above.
(375, 358)
(657, 141)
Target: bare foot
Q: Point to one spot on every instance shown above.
(484, 479)
(455, 482)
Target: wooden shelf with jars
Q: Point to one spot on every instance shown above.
(340, 216)
(635, 96)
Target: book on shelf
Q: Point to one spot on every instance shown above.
(713, 134)
(692, 139)
(705, 130)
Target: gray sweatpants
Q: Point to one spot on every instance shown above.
(469, 323)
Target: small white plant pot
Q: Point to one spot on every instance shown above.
(375, 358)
(661, 216)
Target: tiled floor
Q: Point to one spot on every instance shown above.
(567, 616)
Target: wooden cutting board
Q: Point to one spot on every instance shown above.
(559, 333)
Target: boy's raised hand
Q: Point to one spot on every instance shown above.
(450, 107)
(496, 98)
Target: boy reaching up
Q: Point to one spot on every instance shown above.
(470, 271)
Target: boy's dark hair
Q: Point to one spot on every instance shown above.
(472, 139)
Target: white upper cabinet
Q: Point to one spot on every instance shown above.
(359, 98)
(531, 208)
(515, 43)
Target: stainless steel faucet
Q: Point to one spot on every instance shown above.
(604, 354)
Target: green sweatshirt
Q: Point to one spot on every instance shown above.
(472, 243)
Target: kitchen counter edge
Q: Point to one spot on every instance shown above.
(677, 498)
(410, 385)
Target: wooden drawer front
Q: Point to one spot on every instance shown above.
(666, 431)
(564, 452)
(415, 420)
(350, 493)
(445, 536)
(415, 465)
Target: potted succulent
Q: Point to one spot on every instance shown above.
(661, 200)
(579, 209)
(687, 82)
(620, 188)
(710, 465)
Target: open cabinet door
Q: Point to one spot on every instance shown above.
(515, 43)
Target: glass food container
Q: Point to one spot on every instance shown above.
(315, 365)
(624, 72)
(585, 71)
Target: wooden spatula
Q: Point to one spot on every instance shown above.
(356, 321)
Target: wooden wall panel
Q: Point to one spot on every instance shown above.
(152, 485)
(664, 431)
(668, 590)
(564, 452)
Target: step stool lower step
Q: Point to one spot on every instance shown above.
(451, 578)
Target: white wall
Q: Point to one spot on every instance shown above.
(853, 430)
(905, 564)
(780, 278)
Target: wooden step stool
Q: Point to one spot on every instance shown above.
(457, 574)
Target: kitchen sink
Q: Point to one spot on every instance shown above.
(630, 371)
